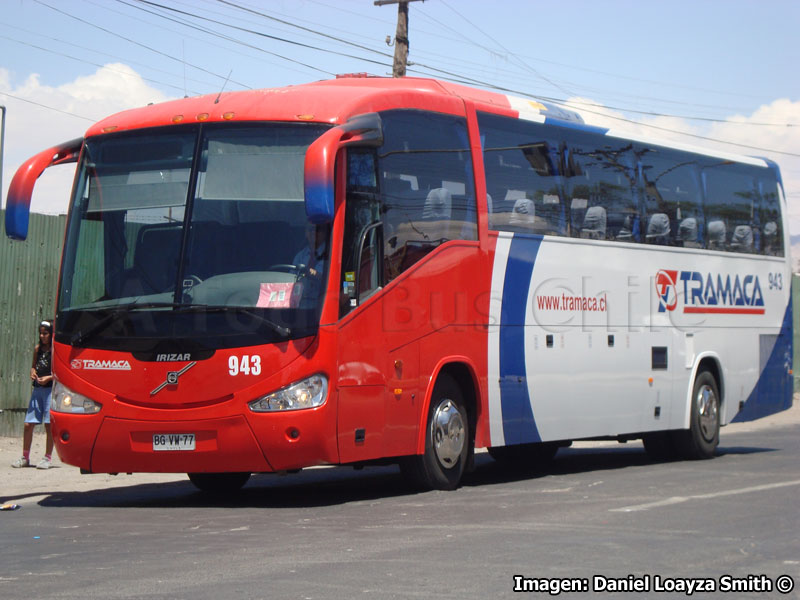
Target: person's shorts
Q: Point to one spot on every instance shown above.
(39, 406)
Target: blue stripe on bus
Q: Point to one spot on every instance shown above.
(773, 390)
(519, 425)
(575, 125)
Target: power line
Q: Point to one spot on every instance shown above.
(655, 114)
(476, 81)
(150, 23)
(49, 107)
(521, 63)
(146, 47)
(88, 62)
(216, 34)
(443, 73)
(466, 80)
(307, 29)
(524, 58)
(261, 34)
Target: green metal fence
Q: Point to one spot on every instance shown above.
(29, 273)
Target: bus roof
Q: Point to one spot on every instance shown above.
(329, 101)
(335, 101)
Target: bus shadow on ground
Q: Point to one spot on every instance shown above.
(313, 488)
(309, 488)
(574, 461)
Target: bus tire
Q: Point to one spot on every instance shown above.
(219, 483)
(447, 440)
(700, 441)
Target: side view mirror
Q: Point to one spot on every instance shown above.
(363, 130)
(18, 204)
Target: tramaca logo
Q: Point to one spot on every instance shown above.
(709, 293)
(667, 290)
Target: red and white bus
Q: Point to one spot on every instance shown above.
(367, 269)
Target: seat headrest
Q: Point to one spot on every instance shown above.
(438, 204)
(594, 223)
(658, 225)
(524, 212)
(687, 230)
(717, 232)
(742, 237)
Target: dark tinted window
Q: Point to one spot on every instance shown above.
(553, 180)
(673, 197)
(771, 227)
(426, 183)
(521, 160)
(601, 186)
(361, 264)
(731, 207)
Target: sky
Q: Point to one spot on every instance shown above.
(717, 74)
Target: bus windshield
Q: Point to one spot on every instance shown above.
(194, 228)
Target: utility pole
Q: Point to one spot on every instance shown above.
(400, 36)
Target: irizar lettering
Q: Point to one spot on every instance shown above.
(173, 357)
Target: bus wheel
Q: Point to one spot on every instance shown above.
(701, 439)
(218, 483)
(446, 440)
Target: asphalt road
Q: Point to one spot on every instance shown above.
(603, 511)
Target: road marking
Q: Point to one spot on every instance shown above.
(681, 499)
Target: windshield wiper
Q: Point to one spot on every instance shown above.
(81, 336)
(279, 329)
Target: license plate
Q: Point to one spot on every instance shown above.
(173, 441)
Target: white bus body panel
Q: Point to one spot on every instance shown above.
(576, 360)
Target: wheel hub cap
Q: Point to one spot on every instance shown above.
(708, 412)
(448, 434)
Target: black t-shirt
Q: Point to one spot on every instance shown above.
(43, 367)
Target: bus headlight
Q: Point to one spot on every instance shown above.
(308, 393)
(64, 400)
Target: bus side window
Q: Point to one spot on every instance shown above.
(731, 208)
(770, 218)
(426, 186)
(672, 197)
(522, 176)
(361, 263)
(602, 184)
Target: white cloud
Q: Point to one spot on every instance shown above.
(39, 116)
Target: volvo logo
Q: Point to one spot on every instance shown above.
(172, 378)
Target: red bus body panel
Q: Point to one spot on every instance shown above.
(381, 360)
